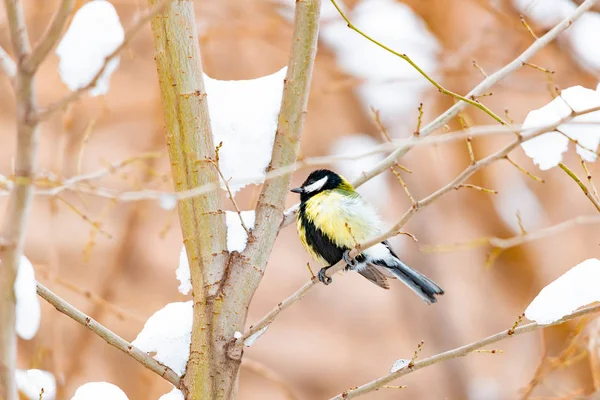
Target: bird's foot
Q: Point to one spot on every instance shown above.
(351, 262)
(323, 277)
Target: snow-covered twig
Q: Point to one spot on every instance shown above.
(456, 353)
(49, 38)
(110, 337)
(129, 35)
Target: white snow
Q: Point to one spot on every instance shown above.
(243, 117)
(399, 364)
(546, 150)
(250, 341)
(236, 235)
(28, 305)
(99, 391)
(95, 32)
(514, 196)
(168, 202)
(377, 189)
(580, 39)
(545, 13)
(168, 333)
(31, 382)
(574, 289)
(183, 273)
(174, 394)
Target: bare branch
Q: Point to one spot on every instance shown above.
(12, 233)
(129, 35)
(507, 243)
(269, 211)
(458, 352)
(109, 337)
(581, 185)
(7, 65)
(49, 38)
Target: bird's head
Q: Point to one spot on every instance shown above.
(321, 180)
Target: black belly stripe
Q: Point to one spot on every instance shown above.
(318, 241)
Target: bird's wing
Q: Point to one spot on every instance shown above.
(373, 274)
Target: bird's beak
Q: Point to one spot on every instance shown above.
(297, 190)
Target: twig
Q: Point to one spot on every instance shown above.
(507, 243)
(110, 337)
(49, 38)
(270, 317)
(458, 352)
(589, 178)
(584, 188)
(523, 170)
(7, 65)
(215, 163)
(129, 35)
(468, 99)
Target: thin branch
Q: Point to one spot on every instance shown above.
(110, 337)
(7, 64)
(469, 99)
(458, 352)
(49, 38)
(507, 243)
(129, 35)
(270, 317)
(581, 185)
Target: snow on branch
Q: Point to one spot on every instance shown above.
(576, 288)
(546, 150)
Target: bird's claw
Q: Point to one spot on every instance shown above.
(350, 261)
(323, 277)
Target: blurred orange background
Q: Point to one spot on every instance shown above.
(348, 333)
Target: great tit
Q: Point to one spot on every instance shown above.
(333, 218)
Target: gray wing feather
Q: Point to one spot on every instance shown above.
(373, 274)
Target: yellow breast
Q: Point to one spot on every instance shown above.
(346, 219)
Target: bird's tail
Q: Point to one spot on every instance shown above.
(419, 283)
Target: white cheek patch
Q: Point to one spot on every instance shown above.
(316, 186)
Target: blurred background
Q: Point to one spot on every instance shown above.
(116, 261)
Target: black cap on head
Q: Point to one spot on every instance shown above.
(318, 181)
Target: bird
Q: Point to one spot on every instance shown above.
(333, 218)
